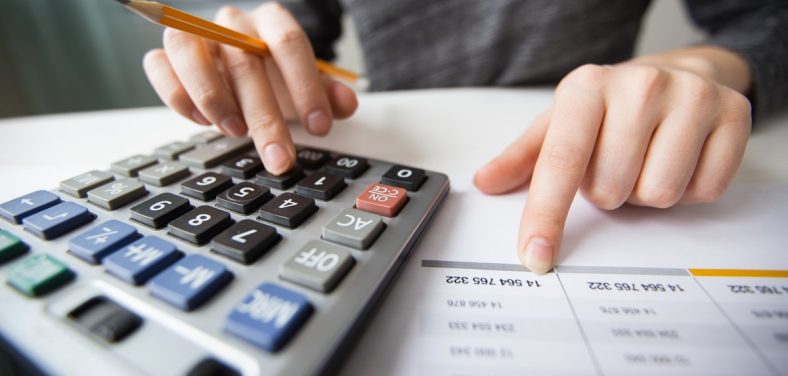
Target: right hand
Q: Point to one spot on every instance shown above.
(247, 94)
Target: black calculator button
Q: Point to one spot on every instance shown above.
(405, 177)
(206, 186)
(347, 166)
(244, 197)
(321, 185)
(245, 241)
(243, 167)
(312, 159)
(200, 224)
(212, 367)
(160, 210)
(105, 319)
(283, 181)
(288, 209)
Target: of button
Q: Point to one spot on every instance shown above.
(288, 209)
(382, 199)
(57, 220)
(206, 186)
(160, 210)
(312, 159)
(321, 185)
(139, 261)
(348, 166)
(132, 165)
(116, 194)
(190, 282)
(11, 246)
(244, 197)
(354, 228)
(245, 241)
(38, 274)
(200, 224)
(79, 185)
(318, 266)
(406, 177)
(209, 155)
(243, 167)
(212, 367)
(284, 181)
(172, 150)
(105, 319)
(164, 173)
(95, 244)
(27, 205)
(205, 137)
(269, 316)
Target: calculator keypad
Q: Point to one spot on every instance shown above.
(245, 241)
(244, 197)
(160, 210)
(200, 224)
(321, 186)
(206, 186)
(288, 209)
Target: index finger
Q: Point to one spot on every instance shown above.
(560, 167)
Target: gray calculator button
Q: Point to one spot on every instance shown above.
(318, 265)
(131, 165)
(164, 173)
(354, 228)
(205, 137)
(79, 185)
(209, 155)
(116, 194)
(172, 150)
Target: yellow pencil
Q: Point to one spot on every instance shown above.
(168, 16)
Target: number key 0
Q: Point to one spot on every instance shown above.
(200, 225)
(160, 210)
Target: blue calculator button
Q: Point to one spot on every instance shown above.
(269, 316)
(95, 244)
(57, 220)
(139, 261)
(27, 205)
(190, 282)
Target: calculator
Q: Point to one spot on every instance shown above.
(194, 260)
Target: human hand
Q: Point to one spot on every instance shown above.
(638, 133)
(246, 94)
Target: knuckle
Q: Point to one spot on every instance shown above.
(697, 90)
(585, 74)
(263, 123)
(565, 157)
(242, 66)
(659, 197)
(174, 39)
(650, 81)
(605, 196)
(227, 12)
(152, 57)
(175, 96)
(708, 194)
(288, 37)
(205, 96)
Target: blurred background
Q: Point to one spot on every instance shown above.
(80, 55)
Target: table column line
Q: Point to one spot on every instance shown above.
(591, 353)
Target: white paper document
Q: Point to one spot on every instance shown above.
(686, 291)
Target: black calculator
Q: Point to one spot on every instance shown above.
(194, 260)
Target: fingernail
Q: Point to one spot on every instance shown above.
(234, 126)
(318, 123)
(198, 117)
(276, 158)
(538, 256)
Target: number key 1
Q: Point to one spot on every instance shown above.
(160, 210)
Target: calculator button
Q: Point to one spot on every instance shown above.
(116, 194)
(190, 282)
(132, 165)
(244, 197)
(27, 205)
(406, 177)
(206, 186)
(79, 185)
(348, 166)
(38, 274)
(105, 319)
(269, 316)
(212, 367)
(139, 261)
(243, 167)
(200, 224)
(354, 228)
(245, 241)
(288, 209)
(321, 185)
(209, 155)
(164, 173)
(172, 150)
(57, 220)
(312, 159)
(284, 181)
(160, 210)
(318, 266)
(95, 244)
(11, 246)
(382, 199)
(205, 137)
